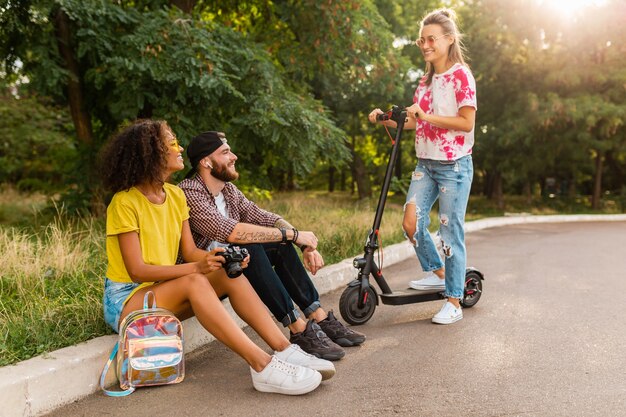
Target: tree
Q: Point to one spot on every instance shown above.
(114, 62)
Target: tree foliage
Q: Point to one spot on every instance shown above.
(35, 145)
(551, 93)
(291, 83)
(148, 61)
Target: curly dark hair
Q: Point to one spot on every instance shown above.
(134, 155)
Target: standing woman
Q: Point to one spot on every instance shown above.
(147, 225)
(443, 116)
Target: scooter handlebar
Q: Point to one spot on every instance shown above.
(396, 114)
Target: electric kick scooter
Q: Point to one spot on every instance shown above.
(359, 300)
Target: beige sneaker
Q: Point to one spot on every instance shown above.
(285, 378)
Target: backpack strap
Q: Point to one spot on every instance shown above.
(104, 373)
(146, 300)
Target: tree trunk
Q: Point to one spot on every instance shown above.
(184, 5)
(359, 174)
(571, 187)
(291, 181)
(528, 192)
(80, 117)
(498, 190)
(342, 180)
(331, 178)
(597, 182)
(494, 188)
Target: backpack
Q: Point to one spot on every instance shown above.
(149, 350)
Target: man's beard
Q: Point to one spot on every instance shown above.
(222, 173)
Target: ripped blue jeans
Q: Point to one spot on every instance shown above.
(450, 182)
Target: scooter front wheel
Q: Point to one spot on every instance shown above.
(349, 305)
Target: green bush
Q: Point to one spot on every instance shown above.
(36, 146)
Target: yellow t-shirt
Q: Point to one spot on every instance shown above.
(159, 227)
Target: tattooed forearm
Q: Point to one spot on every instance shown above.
(282, 223)
(269, 236)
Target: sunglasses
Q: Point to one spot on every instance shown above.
(175, 145)
(429, 40)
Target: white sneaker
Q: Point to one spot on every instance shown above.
(285, 378)
(430, 282)
(296, 356)
(448, 314)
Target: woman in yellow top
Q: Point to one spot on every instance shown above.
(147, 226)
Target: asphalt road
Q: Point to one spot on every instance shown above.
(548, 338)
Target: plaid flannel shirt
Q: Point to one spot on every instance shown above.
(208, 224)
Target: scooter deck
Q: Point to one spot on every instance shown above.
(410, 296)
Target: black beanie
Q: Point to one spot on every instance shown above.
(202, 145)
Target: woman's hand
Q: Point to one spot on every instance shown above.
(211, 261)
(415, 112)
(245, 262)
(373, 114)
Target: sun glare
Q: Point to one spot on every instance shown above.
(572, 8)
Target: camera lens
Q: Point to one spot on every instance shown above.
(233, 269)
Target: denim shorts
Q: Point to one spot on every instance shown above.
(115, 295)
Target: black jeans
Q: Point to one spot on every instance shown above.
(278, 277)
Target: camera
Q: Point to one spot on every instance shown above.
(234, 256)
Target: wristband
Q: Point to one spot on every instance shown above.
(284, 233)
(303, 247)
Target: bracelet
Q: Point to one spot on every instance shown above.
(295, 235)
(303, 248)
(284, 233)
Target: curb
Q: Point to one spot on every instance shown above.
(30, 388)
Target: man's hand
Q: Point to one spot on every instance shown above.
(306, 238)
(313, 260)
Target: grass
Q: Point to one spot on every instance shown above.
(16, 206)
(341, 223)
(51, 273)
(50, 288)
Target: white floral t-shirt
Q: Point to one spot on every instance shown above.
(445, 95)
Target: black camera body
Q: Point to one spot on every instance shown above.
(233, 256)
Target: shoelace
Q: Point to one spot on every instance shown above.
(322, 336)
(318, 336)
(337, 326)
(308, 355)
(283, 366)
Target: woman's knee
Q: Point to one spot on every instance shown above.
(410, 220)
(196, 283)
(409, 228)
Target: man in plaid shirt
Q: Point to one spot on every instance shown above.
(220, 213)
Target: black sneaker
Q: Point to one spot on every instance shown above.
(315, 342)
(340, 334)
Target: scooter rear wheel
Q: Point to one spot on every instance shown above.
(473, 289)
(349, 305)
